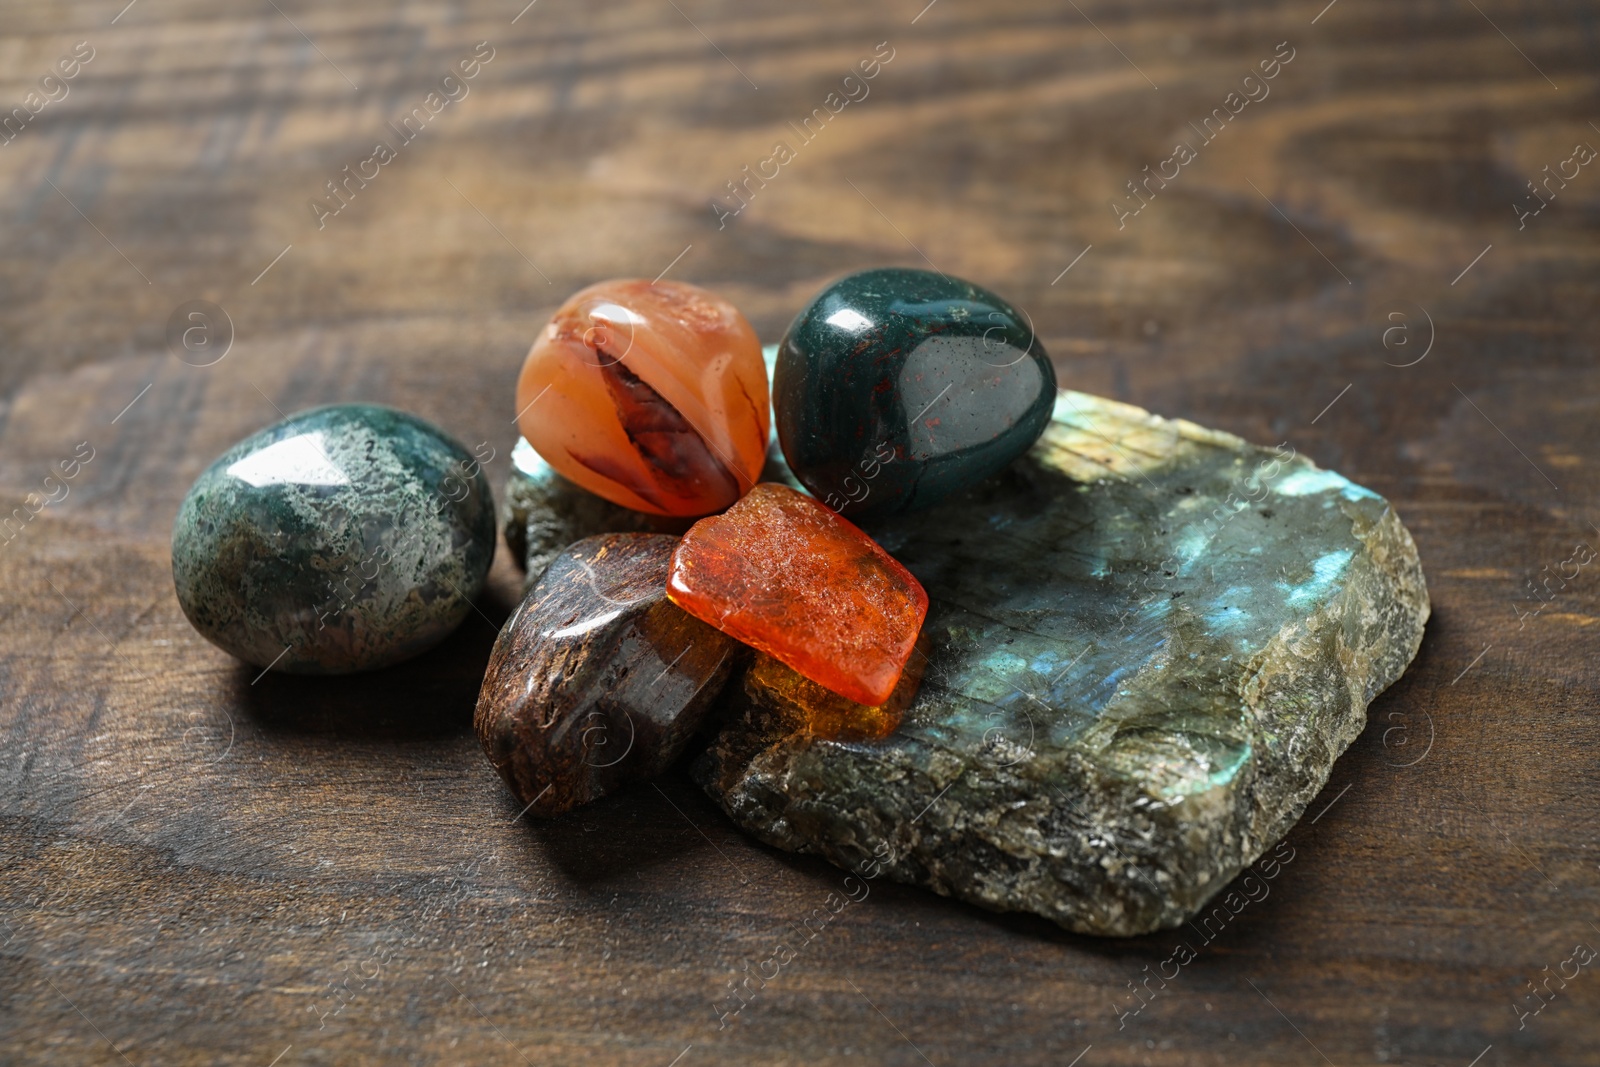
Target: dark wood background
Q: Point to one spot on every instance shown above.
(196, 867)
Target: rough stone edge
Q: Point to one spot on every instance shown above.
(1128, 901)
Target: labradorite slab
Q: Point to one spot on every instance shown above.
(342, 539)
(1149, 643)
(896, 388)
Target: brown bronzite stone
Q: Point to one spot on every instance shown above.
(597, 679)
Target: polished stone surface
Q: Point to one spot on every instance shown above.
(895, 388)
(342, 539)
(1149, 641)
(651, 395)
(542, 512)
(784, 574)
(597, 679)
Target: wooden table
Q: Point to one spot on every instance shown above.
(206, 866)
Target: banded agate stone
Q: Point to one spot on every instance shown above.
(651, 395)
(896, 388)
(784, 574)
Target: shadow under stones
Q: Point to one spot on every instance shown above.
(645, 825)
(432, 695)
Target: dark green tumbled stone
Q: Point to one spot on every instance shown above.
(896, 388)
(341, 539)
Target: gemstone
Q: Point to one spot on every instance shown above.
(341, 539)
(772, 687)
(789, 577)
(545, 512)
(896, 388)
(651, 395)
(598, 679)
(1148, 643)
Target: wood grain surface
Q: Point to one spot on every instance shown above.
(200, 866)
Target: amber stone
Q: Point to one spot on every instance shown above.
(652, 395)
(807, 706)
(597, 679)
(789, 577)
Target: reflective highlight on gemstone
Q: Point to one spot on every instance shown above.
(781, 572)
(895, 388)
(651, 395)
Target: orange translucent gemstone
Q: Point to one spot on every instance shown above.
(804, 704)
(784, 574)
(652, 395)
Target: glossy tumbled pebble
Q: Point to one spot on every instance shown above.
(896, 388)
(342, 539)
(650, 394)
(598, 679)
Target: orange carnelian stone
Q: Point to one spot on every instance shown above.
(652, 395)
(784, 574)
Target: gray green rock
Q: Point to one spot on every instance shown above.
(342, 539)
(1149, 643)
(544, 512)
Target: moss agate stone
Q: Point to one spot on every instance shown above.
(342, 539)
(896, 388)
(1148, 643)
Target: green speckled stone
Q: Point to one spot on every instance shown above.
(1149, 641)
(545, 511)
(342, 539)
(896, 388)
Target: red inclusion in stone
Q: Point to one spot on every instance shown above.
(784, 574)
